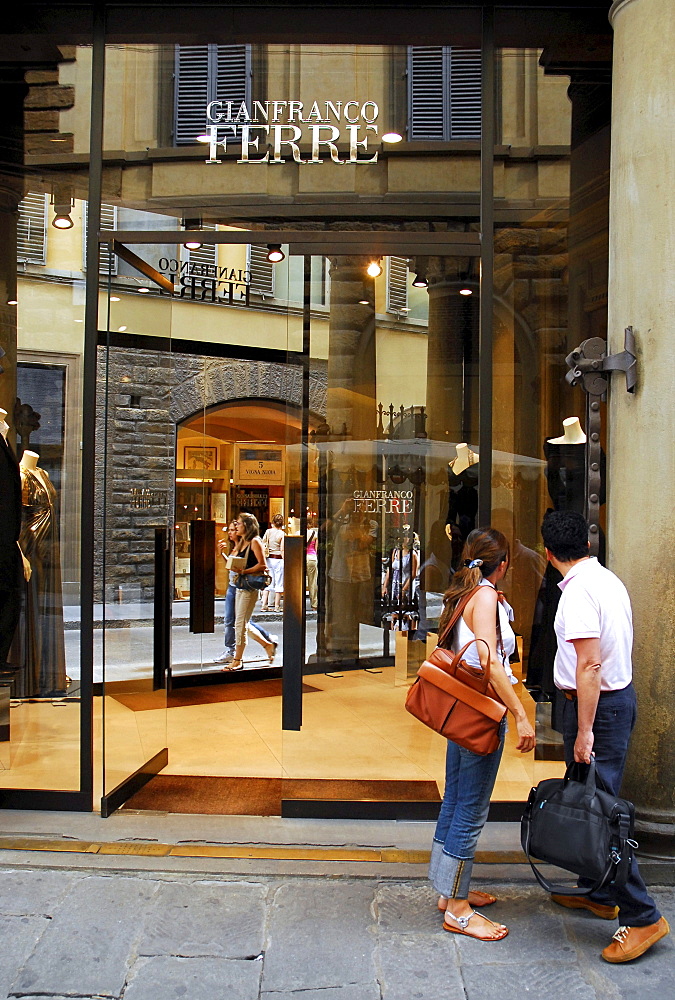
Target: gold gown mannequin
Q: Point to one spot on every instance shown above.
(39, 647)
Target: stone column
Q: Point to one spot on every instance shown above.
(352, 389)
(640, 453)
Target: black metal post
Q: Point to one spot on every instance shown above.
(89, 463)
(162, 611)
(293, 632)
(202, 576)
(487, 149)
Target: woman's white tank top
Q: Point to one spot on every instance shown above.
(463, 634)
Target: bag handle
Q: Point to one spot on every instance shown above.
(481, 672)
(615, 857)
(456, 615)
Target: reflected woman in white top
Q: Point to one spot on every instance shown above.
(470, 777)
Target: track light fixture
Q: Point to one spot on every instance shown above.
(189, 224)
(420, 280)
(63, 206)
(274, 253)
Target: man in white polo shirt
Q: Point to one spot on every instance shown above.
(594, 629)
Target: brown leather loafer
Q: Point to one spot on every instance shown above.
(602, 910)
(631, 942)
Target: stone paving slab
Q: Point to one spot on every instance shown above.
(320, 935)
(419, 967)
(223, 920)
(34, 892)
(167, 977)
(87, 946)
(162, 936)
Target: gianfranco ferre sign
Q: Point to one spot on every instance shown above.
(284, 125)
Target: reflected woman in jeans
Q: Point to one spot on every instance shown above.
(225, 547)
(470, 777)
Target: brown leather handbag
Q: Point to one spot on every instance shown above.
(455, 699)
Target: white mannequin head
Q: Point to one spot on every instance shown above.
(572, 433)
(29, 459)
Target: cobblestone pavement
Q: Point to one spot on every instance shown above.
(158, 936)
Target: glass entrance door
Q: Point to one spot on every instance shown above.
(392, 495)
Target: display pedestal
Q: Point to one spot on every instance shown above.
(409, 655)
(550, 745)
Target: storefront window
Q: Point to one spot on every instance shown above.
(291, 307)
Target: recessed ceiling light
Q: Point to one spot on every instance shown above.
(115, 298)
(121, 329)
(364, 302)
(12, 302)
(142, 289)
(203, 138)
(392, 137)
(465, 291)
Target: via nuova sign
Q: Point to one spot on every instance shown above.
(284, 125)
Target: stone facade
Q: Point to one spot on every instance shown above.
(142, 396)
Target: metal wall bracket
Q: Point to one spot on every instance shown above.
(590, 368)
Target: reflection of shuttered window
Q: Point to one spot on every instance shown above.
(444, 92)
(397, 284)
(205, 73)
(261, 269)
(108, 222)
(31, 230)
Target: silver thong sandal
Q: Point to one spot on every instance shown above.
(463, 923)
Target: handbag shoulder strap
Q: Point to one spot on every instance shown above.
(456, 615)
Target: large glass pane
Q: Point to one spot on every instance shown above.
(550, 278)
(42, 296)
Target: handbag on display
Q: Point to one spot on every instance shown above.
(576, 824)
(456, 699)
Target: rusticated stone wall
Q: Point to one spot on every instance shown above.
(142, 396)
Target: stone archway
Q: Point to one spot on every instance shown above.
(202, 383)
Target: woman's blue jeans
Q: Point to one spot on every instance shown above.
(469, 780)
(228, 621)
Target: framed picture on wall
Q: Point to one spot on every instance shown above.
(200, 458)
(219, 507)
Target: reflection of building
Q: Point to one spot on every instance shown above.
(298, 354)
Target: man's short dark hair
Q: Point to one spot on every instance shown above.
(565, 534)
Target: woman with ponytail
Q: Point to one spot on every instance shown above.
(470, 777)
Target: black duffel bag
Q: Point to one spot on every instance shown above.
(576, 824)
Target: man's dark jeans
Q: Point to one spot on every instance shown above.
(614, 721)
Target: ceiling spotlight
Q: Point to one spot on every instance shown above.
(122, 329)
(364, 302)
(62, 220)
(374, 269)
(63, 205)
(274, 253)
(143, 289)
(189, 224)
(465, 291)
(392, 137)
(12, 302)
(115, 298)
(203, 138)
(420, 280)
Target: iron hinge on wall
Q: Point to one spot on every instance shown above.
(590, 367)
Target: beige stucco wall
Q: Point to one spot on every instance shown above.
(641, 454)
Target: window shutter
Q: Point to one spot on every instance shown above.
(191, 93)
(207, 253)
(397, 284)
(261, 270)
(205, 73)
(444, 92)
(108, 221)
(426, 107)
(31, 230)
(465, 93)
(233, 74)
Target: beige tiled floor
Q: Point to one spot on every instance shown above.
(354, 726)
